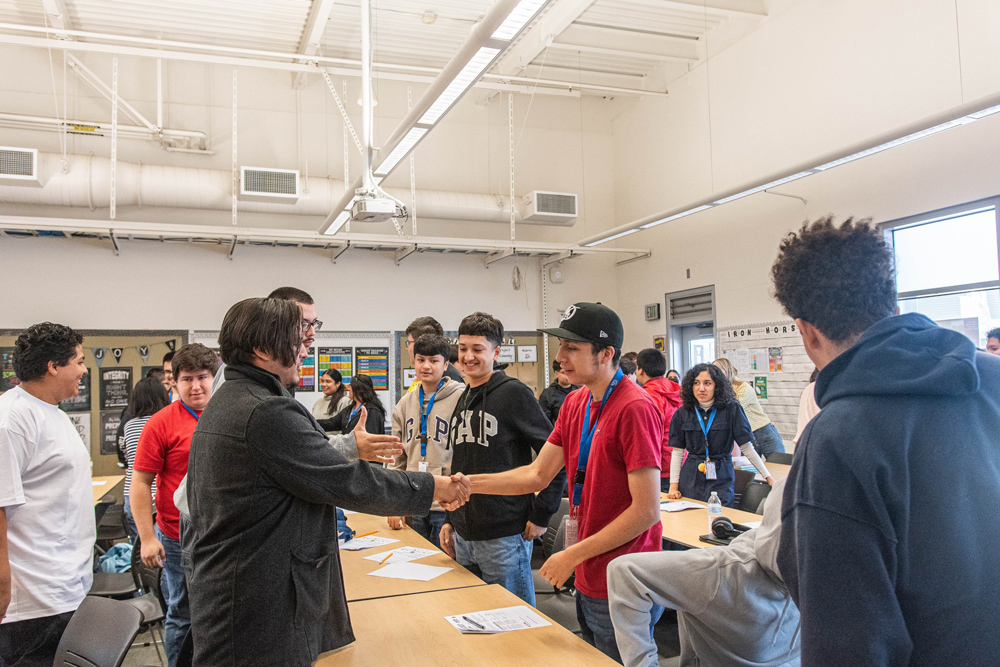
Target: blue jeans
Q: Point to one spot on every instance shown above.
(505, 561)
(429, 527)
(594, 615)
(174, 589)
(768, 440)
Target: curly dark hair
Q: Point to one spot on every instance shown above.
(839, 279)
(724, 394)
(39, 345)
(993, 333)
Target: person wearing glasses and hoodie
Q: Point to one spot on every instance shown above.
(496, 426)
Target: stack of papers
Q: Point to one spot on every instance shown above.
(367, 542)
(410, 571)
(679, 505)
(497, 620)
(402, 555)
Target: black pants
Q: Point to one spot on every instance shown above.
(33, 642)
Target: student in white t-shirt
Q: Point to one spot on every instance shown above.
(47, 526)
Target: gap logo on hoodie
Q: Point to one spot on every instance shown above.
(465, 434)
(438, 431)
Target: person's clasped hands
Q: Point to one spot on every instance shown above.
(452, 492)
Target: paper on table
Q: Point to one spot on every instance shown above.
(348, 512)
(751, 524)
(100, 483)
(402, 555)
(410, 571)
(367, 542)
(497, 620)
(678, 505)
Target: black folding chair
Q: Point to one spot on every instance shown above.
(753, 497)
(99, 634)
(780, 457)
(151, 602)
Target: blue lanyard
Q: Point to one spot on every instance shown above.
(354, 413)
(705, 429)
(193, 413)
(587, 438)
(423, 416)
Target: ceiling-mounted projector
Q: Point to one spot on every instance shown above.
(373, 210)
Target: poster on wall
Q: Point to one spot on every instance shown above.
(774, 359)
(116, 385)
(527, 354)
(758, 360)
(373, 362)
(409, 376)
(307, 372)
(81, 422)
(7, 377)
(659, 343)
(80, 402)
(508, 355)
(340, 359)
(760, 386)
(109, 431)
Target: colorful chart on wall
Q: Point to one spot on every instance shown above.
(373, 362)
(80, 402)
(340, 359)
(307, 372)
(116, 385)
(7, 377)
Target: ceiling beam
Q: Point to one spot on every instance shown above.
(619, 53)
(58, 16)
(743, 8)
(624, 40)
(546, 29)
(312, 34)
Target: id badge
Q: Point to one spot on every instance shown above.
(422, 466)
(572, 530)
(710, 470)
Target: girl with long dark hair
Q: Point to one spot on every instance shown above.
(334, 398)
(362, 394)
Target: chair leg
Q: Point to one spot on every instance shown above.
(156, 645)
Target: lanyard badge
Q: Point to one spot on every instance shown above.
(709, 465)
(587, 438)
(423, 422)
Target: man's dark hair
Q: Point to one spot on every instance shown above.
(452, 353)
(840, 279)
(291, 294)
(430, 345)
(156, 373)
(423, 326)
(651, 362)
(630, 355)
(615, 360)
(364, 390)
(195, 357)
(724, 394)
(169, 356)
(482, 324)
(993, 333)
(147, 398)
(272, 326)
(39, 345)
(627, 365)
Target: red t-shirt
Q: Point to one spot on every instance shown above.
(627, 438)
(667, 396)
(163, 449)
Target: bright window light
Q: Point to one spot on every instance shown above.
(339, 222)
(401, 150)
(676, 215)
(518, 18)
(612, 238)
(468, 76)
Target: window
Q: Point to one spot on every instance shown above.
(947, 267)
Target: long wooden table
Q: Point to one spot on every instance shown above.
(779, 471)
(411, 630)
(686, 526)
(105, 485)
(359, 586)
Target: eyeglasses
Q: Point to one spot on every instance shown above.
(315, 324)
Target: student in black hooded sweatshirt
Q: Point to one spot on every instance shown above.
(496, 425)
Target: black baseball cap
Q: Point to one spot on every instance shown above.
(590, 323)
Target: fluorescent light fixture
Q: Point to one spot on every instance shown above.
(984, 113)
(338, 222)
(404, 146)
(676, 215)
(766, 186)
(896, 142)
(518, 18)
(612, 238)
(468, 76)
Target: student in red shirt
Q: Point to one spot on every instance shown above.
(615, 492)
(162, 455)
(651, 367)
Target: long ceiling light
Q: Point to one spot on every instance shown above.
(956, 117)
(490, 38)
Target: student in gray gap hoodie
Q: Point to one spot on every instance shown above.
(732, 605)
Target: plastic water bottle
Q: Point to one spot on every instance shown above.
(714, 509)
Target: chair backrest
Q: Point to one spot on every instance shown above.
(743, 477)
(549, 538)
(752, 497)
(99, 635)
(102, 506)
(780, 457)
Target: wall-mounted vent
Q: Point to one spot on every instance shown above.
(277, 186)
(19, 166)
(549, 207)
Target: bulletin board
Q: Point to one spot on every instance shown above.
(771, 356)
(116, 360)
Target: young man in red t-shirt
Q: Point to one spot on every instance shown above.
(651, 366)
(615, 494)
(162, 454)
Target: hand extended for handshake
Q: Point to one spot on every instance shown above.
(452, 492)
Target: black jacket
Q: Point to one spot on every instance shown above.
(513, 427)
(552, 399)
(342, 420)
(263, 485)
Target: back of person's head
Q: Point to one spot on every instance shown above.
(628, 366)
(631, 356)
(195, 357)
(364, 390)
(651, 362)
(482, 324)
(156, 373)
(148, 397)
(271, 326)
(423, 326)
(728, 369)
(430, 345)
(168, 357)
(453, 353)
(840, 279)
(40, 344)
(291, 294)
(724, 394)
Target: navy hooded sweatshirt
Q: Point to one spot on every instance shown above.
(889, 543)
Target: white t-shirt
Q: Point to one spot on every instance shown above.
(46, 490)
(807, 409)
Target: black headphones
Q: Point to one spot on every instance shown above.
(725, 529)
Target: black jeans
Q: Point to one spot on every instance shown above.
(32, 643)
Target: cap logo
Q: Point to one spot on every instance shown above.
(570, 312)
(604, 335)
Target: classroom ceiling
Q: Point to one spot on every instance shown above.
(638, 45)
